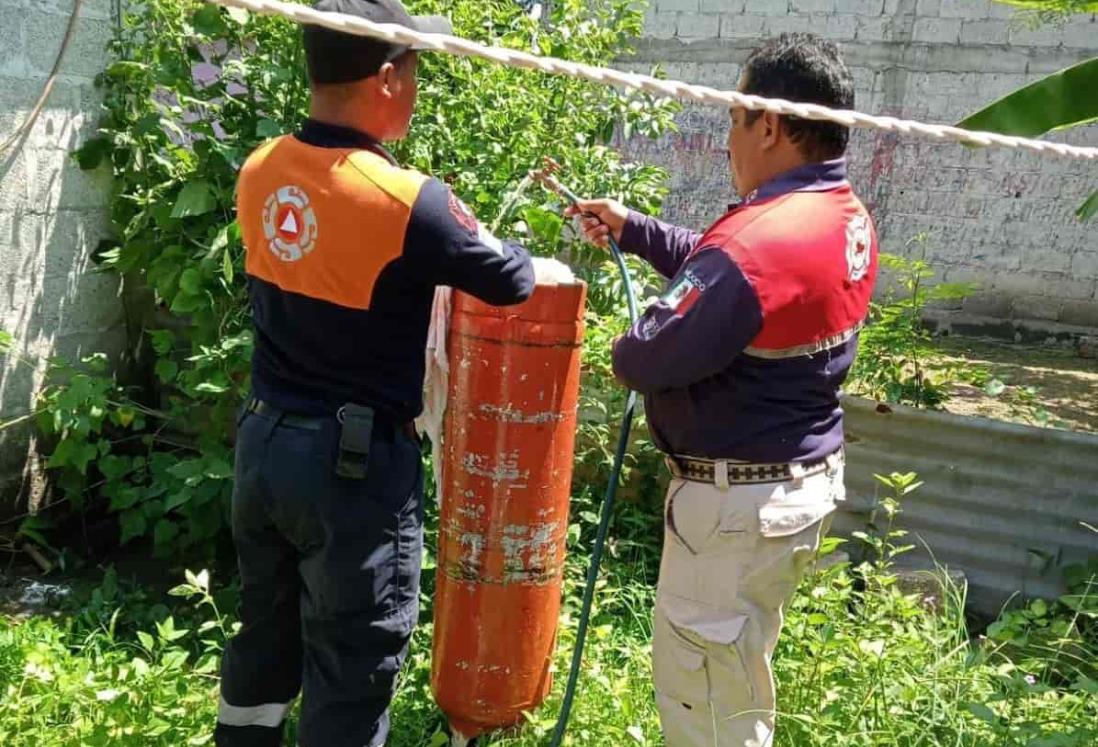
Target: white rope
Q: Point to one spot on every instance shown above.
(631, 81)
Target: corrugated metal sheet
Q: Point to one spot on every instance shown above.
(1002, 502)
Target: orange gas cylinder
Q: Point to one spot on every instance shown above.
(508, 449)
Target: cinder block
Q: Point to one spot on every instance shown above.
(721, 6)
(7, 233)
(15, 180)
(967, 274)
(791, 24)
(1082, 33)
(87, 53)
(1084, 264)
(875, 29)
(675, 6)
(767, 7)
(62, 129)
(861, 7)
(82, 302)
(15, 449)
(101, 9)
(1071, 289)
(991, 256)
(1001, 11)
(971, 9)
(928, 8)
(741, 26)
(660, 25)
(985, 32)
(1025, 282)
(1081, 313)
(75, 345)
(841, 28)
(12, 62)
(57, 183)
(19, 95)
(988, 303)
(1037, 307)
(698, 26)
(60, 243)
(813, 6)
(936, 30)
(20, 379)
(1042, 36)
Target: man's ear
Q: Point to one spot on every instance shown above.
(386, 80)
(772, 126)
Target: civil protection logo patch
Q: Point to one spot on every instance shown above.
(858, 242)
(289, 223)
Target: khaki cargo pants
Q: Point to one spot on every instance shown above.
(732, 559)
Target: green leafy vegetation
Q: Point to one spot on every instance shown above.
(193, 90)
(861, 662)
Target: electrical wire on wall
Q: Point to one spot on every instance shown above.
(19, 135)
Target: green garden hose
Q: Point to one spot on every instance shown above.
(607, 505)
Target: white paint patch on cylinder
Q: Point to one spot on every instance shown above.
(505, 469)
(510, 414)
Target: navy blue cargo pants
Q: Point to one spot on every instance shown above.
(329, 569)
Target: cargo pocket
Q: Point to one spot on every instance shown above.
(678, 667)
(781, 519)
(732, 689)
(789, 538)
(699, 661)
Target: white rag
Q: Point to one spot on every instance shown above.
(436, 381)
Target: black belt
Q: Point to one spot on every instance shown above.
(314, 422)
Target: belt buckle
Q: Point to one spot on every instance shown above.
(797, 473)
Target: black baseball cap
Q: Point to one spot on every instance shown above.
(335, 57)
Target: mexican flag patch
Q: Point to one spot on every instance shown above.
(683, 295)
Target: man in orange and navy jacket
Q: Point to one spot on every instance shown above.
(344, 250)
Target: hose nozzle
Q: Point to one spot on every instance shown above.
(546, 177)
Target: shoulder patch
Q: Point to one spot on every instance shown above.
(858, 242)
(684, 293)
(462, 214)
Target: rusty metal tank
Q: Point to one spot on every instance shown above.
(508, 445)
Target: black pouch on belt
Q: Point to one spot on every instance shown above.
(357, 426)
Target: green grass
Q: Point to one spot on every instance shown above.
(859, 664)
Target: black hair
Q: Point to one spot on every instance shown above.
(803, 68)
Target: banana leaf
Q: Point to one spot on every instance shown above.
(1064, 99)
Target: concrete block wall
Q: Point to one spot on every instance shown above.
(998, 218)
(52, 217)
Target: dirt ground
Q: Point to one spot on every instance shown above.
(1043, 385)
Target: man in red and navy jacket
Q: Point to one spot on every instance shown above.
(741, 362)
